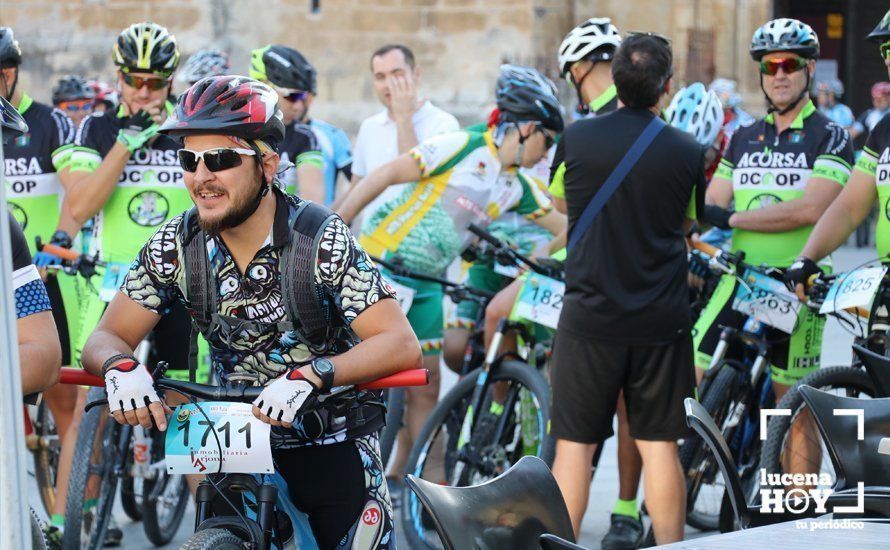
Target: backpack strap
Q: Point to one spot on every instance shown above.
(199, 290)
(304, 301)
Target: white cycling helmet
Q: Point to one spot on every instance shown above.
(726, 90)
(698, 111)
(204, 63)
(584, 39)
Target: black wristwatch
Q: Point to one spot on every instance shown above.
(61, 238)
(324, 369)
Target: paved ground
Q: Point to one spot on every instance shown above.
(604, 490)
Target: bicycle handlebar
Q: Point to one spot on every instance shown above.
(413, 377)
(517, 257)
(452, 288)
(58, 251)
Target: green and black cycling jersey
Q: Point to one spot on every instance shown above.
(300, 146)
(766, 167)
(30, 164)
(875, 161)
(150, 191)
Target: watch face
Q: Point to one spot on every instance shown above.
(323, 366)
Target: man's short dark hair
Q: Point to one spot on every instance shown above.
(383, 50)
(641, 69)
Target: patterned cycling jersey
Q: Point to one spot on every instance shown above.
(300, 146)
(462, 182)
(30, 162)
(767, 168)
(30, 294)
(344, 276)
(150, 190)
(336, 152)
(875, 161)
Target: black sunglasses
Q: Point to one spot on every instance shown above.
(215, 160)
(548, 139)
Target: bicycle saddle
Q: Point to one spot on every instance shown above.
(508, 512)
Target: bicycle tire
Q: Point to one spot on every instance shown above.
(455, 399)
(155, 494)
(46, 456)
(82, 467)
(395, 409)
(714, 399)
(131, 504)
(38, 537)
(213, 539)
(839, 377)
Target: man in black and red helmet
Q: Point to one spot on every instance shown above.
(247, 232)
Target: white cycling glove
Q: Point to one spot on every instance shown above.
(129, 386)
(286, 397)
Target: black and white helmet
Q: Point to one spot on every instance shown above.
(784, 35)
(597, 33)
(524, 94)
(10, 52)
(204, 63)
(12, 123)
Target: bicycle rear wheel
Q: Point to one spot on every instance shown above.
(512, 421)
(46, 455)
(806, 453)
(92, 486)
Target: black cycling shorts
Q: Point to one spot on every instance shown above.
(59, 316)
(588, 377)
(342, 490)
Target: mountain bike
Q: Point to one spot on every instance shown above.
(829, 294)
(497, 413)
(221, 523)
(395, 397)
(737, 385)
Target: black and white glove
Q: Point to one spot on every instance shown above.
(800, 273)
(285, 398)
(716, 216)
(137, 130)
(129, 386)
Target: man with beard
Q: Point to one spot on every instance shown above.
(246, 226)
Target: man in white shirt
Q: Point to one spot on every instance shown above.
(405, 121)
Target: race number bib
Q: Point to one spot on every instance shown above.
(404, 295)
(857, 288)
(768, 301)
(232, 436)
(115, 274)
(540, 300)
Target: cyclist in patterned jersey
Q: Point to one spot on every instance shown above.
(870, 181)
(783, 172)
(38, 343)
(32, 162)
(290, 74)
(458, 178)
(231, 127)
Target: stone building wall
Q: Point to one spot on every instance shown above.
(459, 43)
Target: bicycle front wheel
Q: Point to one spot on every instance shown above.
(92, 485)
(213, 539)
(512, 418)
(46, 455)
(164, 497)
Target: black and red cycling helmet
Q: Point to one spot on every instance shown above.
(228, 105)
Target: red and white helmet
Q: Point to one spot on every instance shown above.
(583, 40)
(228, 105)
(104, 92)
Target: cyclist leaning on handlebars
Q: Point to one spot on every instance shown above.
(230, 128)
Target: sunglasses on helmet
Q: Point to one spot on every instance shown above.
(76, 105)
(153, 83)
(222, 158)
(790, 65)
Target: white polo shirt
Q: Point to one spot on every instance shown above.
(378, 143)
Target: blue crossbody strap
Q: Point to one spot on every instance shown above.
(614, 180)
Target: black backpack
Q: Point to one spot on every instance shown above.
(308, 311)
